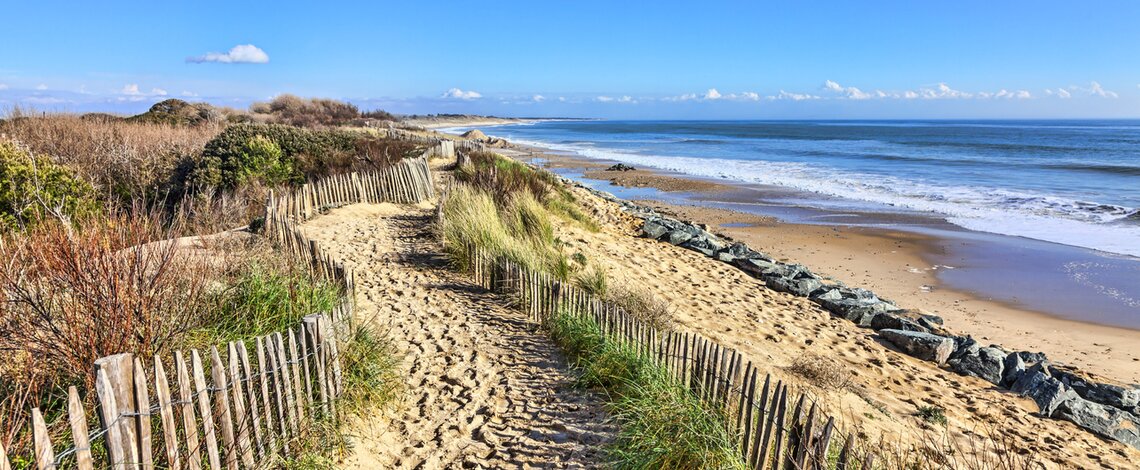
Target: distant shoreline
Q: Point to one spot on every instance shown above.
(446, 122)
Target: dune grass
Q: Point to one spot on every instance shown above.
(663, 425)
(519, 230)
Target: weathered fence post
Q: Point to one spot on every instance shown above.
(115, 387)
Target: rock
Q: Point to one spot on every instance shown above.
(678, 237)
(1031, 357)
(758, 267)
(621, 167)
(930, 322)
(704, 244)
(890, 321)
(964, 345)
(827, 294)
(1047, 391)
(801, 287)
(860, 311)
(735, 251)
(1117, 396)
(984, 363)
(924, 346)
(653, 228)
(1106, 421)
(1012, 369)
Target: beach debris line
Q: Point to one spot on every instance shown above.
(1106, 409)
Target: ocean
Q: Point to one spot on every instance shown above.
(1070, 182)
(1063, 197)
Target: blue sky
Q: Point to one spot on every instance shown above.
(820, 59)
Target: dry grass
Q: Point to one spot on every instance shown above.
(823, 373)
(125, 161)
(643, 305)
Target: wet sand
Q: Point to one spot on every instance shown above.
(898, 265)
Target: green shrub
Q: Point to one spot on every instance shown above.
(33, 188)
(304, 153)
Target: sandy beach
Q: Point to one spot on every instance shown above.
(896, 264)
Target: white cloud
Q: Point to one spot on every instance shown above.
(189, 94)
(41, 87)
(852, 92)
(3, 86)
(158, 92)
(1096, 90)
(538, 98)
(241, 54)
(749, 96)
(561, 99)
(131, 89)
(626, 99)
(1060, 93)
(712, 94)
(456, 93)
(604, 99)
(783, 95)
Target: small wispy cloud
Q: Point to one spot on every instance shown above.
(538, 98)
(41, 87)
(189, 94)
(712, 94)
(604, 99)
(1094, 89)
(784, 95)
(240, 54)
(3, 86)
(458, 94)
(131, 92)
(1060, 93)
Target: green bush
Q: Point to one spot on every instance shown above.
(229, 158)
(33, 188)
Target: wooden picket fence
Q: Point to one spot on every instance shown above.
(757, 410)
(239, 405)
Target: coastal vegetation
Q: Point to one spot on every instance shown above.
(92, 209)
(663, 425)
(508, 210)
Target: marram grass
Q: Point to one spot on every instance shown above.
(663, 425)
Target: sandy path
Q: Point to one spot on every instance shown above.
(483, 390)
(723, 303)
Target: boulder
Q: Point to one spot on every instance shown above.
(621, 167)
(802, 287)
(759, 267)
(930, 322)
(924, 346)
(708, 245)
(678, 237)
(862, 312)
(654, 228)
(1106, 421)
(737, 251)
(1031, 357)
(984, 363)
(1117, 396)
(1046, 390)
(1012, 369)
(891, 321)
